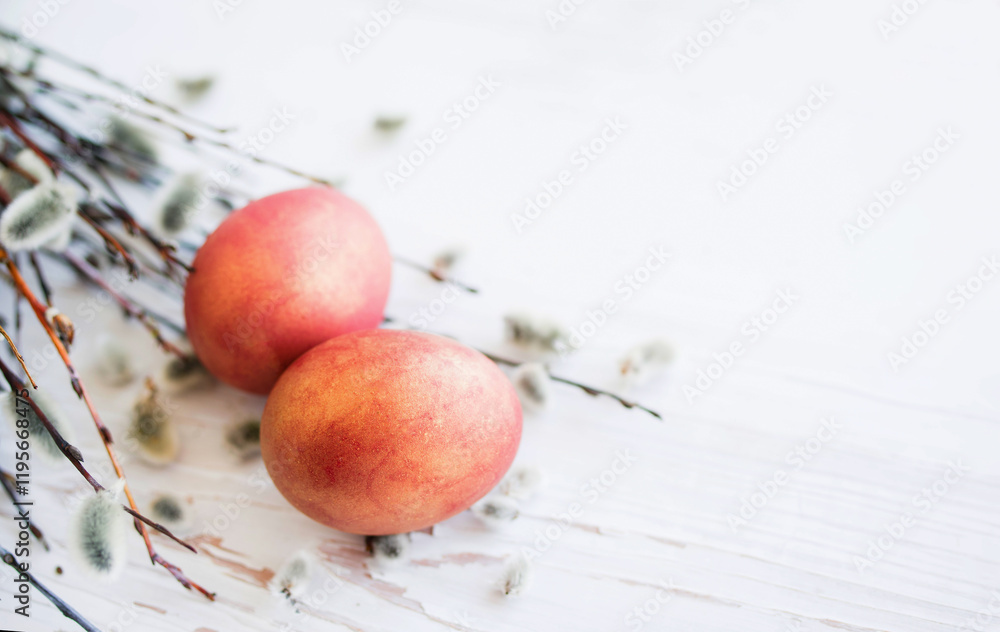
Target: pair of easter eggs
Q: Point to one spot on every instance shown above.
(366, 430)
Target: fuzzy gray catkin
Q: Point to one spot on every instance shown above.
(517, 576)
(180, 375)
(169, 511)
(244, 438)
(178, 204)
(293, 578)
(98, 534)
(534, 333)
(533, 386)
(153, 430)
(645, 361)
(15, 183)
(135, 142)
(521, 482)
(388, 548)
(496, 510)
(41, 442)
(38, 216)
(113, 363)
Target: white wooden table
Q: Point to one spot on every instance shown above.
(836, 532)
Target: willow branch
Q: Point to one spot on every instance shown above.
(589, 390)
(435, 274)
(96, 74)
(110, 241)
(6, 481)
(131, 309)
(63, 607)
(102, 429)
(18, 356)
(8, 121)
(40, 275)
(69, 451)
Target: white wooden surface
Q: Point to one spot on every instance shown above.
(666, 520)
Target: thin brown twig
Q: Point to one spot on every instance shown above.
(131, 309)
(589, 390)
(110, 241)
(435, 274)
(40, 275)
(119, 210)
(194, 137)
(8, 121)
(71, 452)
(115, 83)
(6, 480)
(63, 607)
(12, 165)
(102, 430)
(167, 251)
(18, 356)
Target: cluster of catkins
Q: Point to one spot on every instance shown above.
(499, 508)
(546, 338)
(43, 210)
(99, 525)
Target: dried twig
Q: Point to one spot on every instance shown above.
(63, 607)
(11, 165)
(103, 430)
(74, 456)
(435, 274)
(97, 74)
(17, 356)
(40, 275)
(131, 309)
(7, 481)
(589, 390)
(11, 123)
(69, 451)
(113, 245)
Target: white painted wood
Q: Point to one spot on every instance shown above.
(665, 519)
